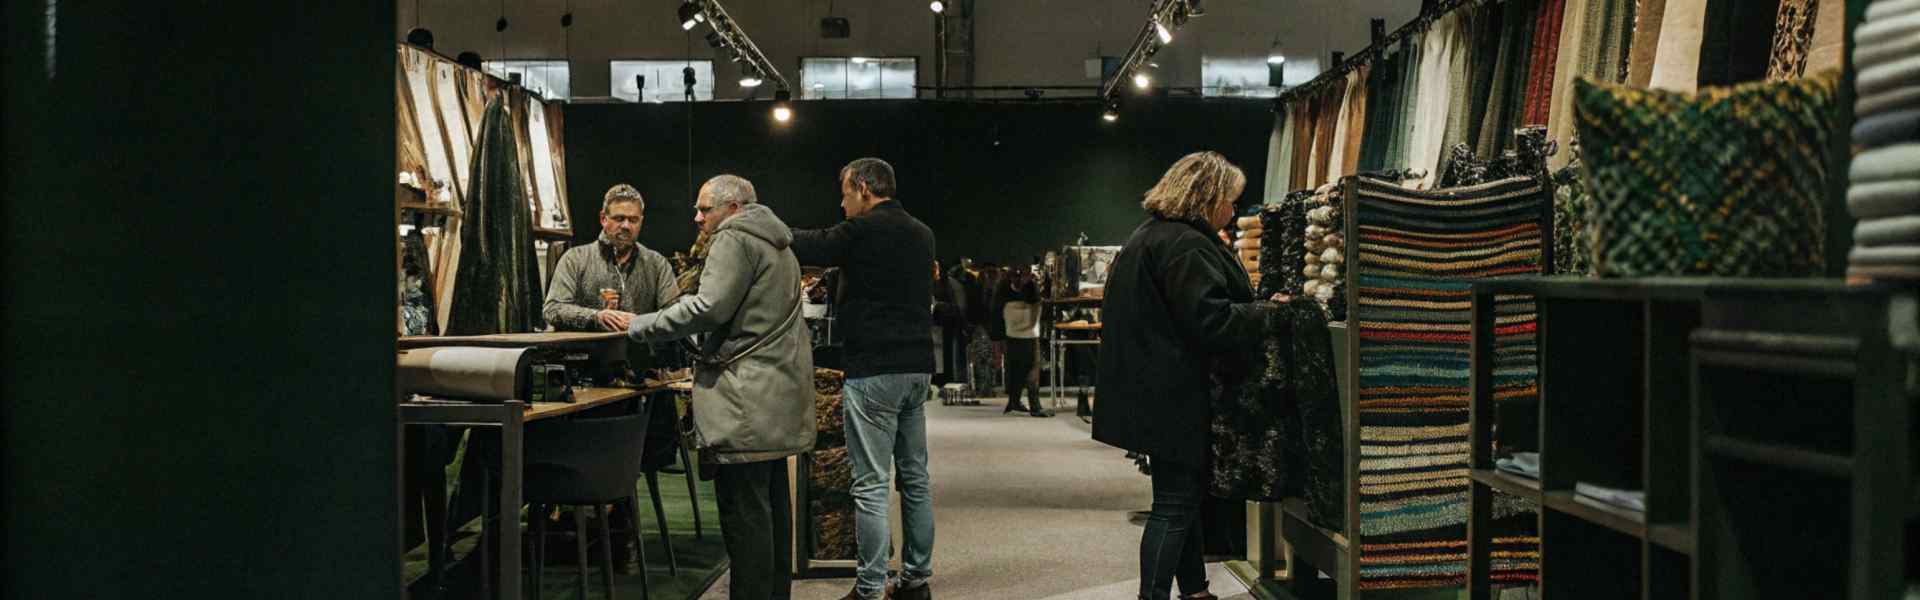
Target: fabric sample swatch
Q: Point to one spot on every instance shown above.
(1884, 198)
(1751, 207)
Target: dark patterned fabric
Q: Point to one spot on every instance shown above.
(416, 284)
(1727, 182)
(1546, 57)
(1416, 254)
(1792, 38)
(1572, 208)
(498, 289)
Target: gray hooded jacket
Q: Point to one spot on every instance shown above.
(759, 407)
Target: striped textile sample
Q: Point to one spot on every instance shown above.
(1415, 256)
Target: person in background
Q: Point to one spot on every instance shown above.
(950, 319)
(886, 312)
(1177, 307)
(599, 286)
(753, 380)
(1020, 311)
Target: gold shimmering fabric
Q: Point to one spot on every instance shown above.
(1726, 181)
(1792, 39)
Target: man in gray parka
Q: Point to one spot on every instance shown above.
(753, 379)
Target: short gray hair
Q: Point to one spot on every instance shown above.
(730, 189)
(873, 173)
(622, 193)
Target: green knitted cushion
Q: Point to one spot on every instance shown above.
(1727, 181)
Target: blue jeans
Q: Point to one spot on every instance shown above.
(1171, 545)
(886, 424)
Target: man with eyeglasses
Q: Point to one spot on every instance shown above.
(601, 286)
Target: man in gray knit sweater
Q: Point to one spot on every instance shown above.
(601, 286)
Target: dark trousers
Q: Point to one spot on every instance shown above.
(1171, 546)
(757, 525)
(1020, 376)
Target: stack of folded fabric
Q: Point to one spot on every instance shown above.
(1246, 245)
(1884, 191)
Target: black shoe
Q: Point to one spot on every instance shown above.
(1041, 413)
(1012, 408)
(924, 591)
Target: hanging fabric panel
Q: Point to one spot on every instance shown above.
(1357, 100)
(1648, 17)
(1279, 176)
(1546, 53)
(1792, 39)
(1430, 117)
(498, 291)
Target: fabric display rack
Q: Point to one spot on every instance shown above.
(475, 149)
(1676, 400)
(1449, 153)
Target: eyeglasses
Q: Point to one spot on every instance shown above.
(623, 219)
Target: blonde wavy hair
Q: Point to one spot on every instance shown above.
(1195, 185)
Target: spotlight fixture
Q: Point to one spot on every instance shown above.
(858, 60)
(1141, 81)
(500, 25)
(713, 39)
(566, 20)
(782, 111)
(938, 6)
(1109, 116)
(689, 16)
(1166, 37)
(420, 37)
(1276, 58)
(750, 80)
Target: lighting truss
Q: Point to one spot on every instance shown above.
(1163, 20)
(731, 37)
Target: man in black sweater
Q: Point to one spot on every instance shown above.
(887, 315)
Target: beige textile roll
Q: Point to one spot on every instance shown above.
(463, 373)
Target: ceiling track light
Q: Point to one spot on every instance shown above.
(755, 68)
(1162, 19)
(938, 6)
(690, 16)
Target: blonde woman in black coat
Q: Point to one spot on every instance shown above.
(1177, 303)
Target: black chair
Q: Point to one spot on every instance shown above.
(663, 448)
(585, 463)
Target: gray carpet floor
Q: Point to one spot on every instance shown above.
(1025, 508)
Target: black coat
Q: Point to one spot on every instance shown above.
(1178, 310)
(886, 261)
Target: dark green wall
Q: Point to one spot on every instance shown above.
(199, 302)
(996, 182)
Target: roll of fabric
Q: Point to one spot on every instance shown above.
(1890, 231)
(1884, 199)
(1888, 28)
(1887, 129)
(1880, 53)
(1886, 9)
(1892, 75)
(1886, 256)
(1890, 100)
(1901, 161)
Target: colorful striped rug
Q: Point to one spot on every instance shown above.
(1413, 256)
